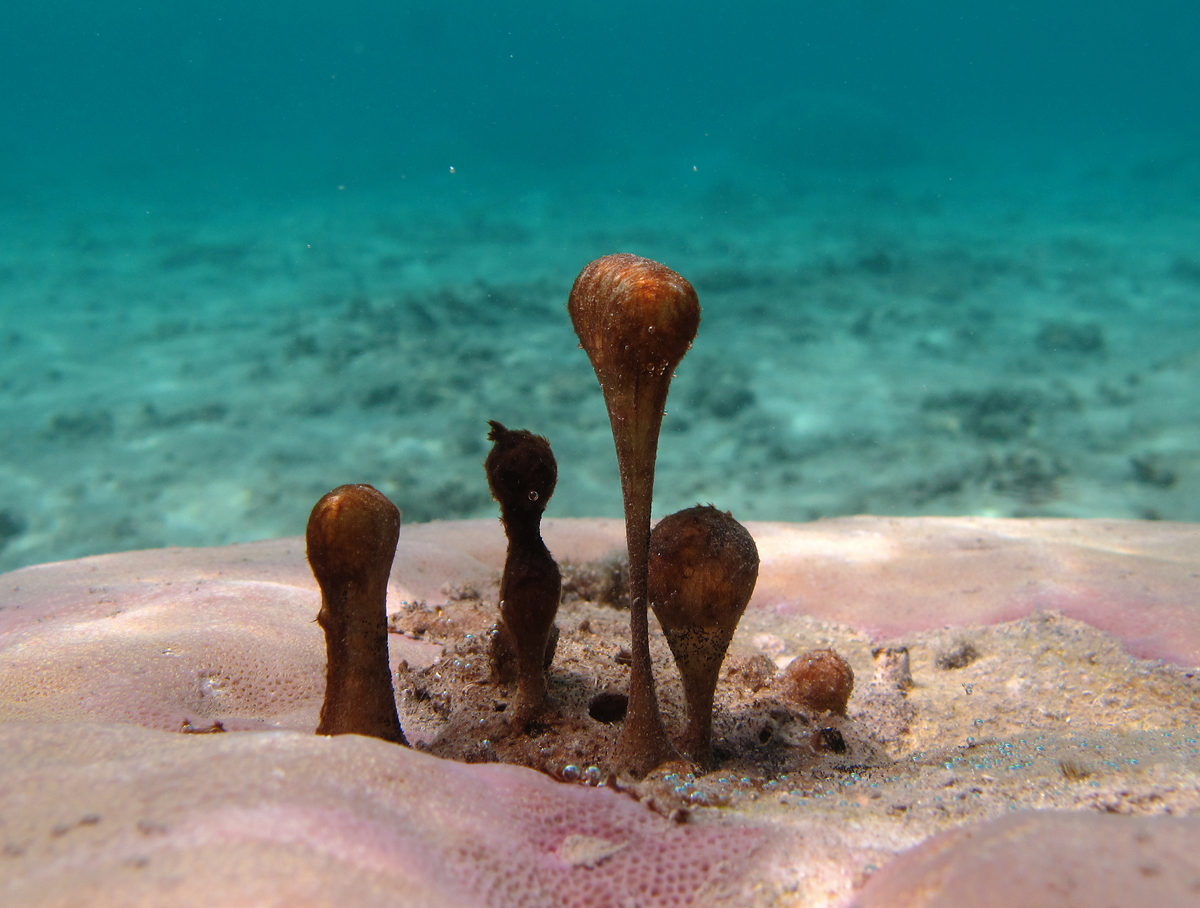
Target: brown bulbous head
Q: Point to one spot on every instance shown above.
(818, 681)
(521, 470)
(633, 315)
(703, 567)
(352, 535)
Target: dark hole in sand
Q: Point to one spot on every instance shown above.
(831, 739)
(958, 656)
(608, 707)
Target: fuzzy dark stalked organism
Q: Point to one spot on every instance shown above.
(703, 567)
(636, 319)
(522, 473)
(352, 535)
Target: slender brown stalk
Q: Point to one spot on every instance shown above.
(636, 319)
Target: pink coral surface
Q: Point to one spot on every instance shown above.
(117, 815)
(1047, 859)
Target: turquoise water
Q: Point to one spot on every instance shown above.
(949, 259)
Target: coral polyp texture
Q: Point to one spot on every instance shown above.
(521, 473)
(148, 818)
(636, 319)
(1047, 859)
(703, 566)
(351, 540)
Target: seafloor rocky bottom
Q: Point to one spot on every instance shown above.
(943, 726)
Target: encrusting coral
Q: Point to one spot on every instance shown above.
(636, 319)
(522, 473)
(351, 540)
(703, 566)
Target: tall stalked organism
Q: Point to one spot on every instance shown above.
(522, 473)
(352, 535)
(636, 319)
(703, 567)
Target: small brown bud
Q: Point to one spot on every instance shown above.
(818, 681)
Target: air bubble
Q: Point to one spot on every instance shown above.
(570, 773)
(533, 495)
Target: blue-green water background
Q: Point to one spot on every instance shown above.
(949, 256)
(531, 92)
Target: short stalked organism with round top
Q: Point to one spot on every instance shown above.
(636, 319)
(703, 567)
(522, 473)
(351, 539)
